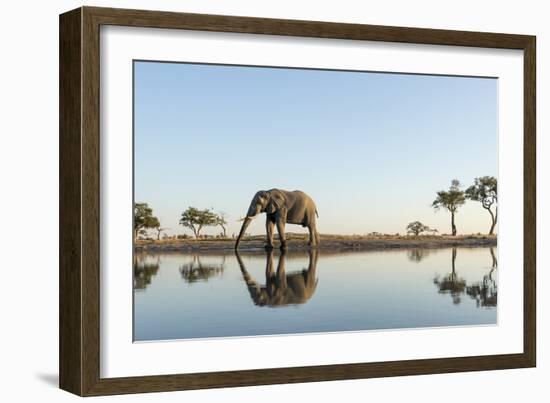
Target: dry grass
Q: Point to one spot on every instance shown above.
(331, 242)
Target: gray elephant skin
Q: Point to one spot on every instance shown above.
(282, 207)
(281, 288)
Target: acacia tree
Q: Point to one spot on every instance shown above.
(484, 190)
(143, 218)
(159, 230)
(221, 221)
(196, 219)
(416, 228)
(450, 200)
(155, 225)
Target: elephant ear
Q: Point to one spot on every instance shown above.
(276, 202)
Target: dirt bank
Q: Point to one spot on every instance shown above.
(328, 243)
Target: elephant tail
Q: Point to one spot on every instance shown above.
(316, 213)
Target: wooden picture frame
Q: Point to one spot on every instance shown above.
(80, 199)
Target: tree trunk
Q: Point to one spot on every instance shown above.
(492, 225)
(223, 228)
(495, 263)
(493, 221)
(453, 226)
(453, 261)
(195, 232)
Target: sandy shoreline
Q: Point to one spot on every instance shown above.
(328, 243)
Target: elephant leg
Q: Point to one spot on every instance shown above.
(281, 273)
(281, 230)
(269, 230)
(270, 279)
(313, 235)
(312, 268)
(269, 270)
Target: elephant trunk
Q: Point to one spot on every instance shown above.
(245, 225)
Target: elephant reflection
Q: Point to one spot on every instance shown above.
(282, 289)
(144, 270)
(196, 270)
(451, 283)
(485, 292)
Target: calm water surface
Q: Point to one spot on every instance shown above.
(181, 295)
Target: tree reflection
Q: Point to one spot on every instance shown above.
(485, 292)
(416, 255)
(197, 271)
(144, 270)
(282, 289)
(451, 283)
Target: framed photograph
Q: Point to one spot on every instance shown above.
(249, 201)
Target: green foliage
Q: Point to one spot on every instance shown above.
(144, 218)
(484, 190)
(154, 223)
(196, 219)
(416, 228)
(450, 200)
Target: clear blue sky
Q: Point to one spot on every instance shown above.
(371, 149)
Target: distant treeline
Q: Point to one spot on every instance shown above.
(483, 190)
(193, 218)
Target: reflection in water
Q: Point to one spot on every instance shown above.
(181, 295)
(196, 270)
(484, 292)
(144, 270)
(417, 254)
(451, 283)
(281, 289)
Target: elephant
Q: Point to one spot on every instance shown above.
(282, 289)
(282, 207)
